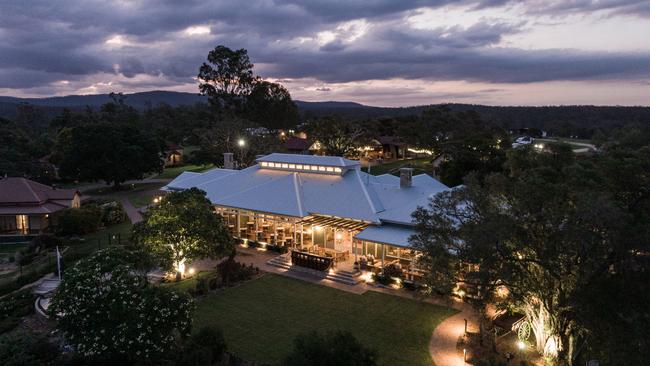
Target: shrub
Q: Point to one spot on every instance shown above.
(202, 286)
(78, 221)
(46, 241)
(112, 213)
(336, 348)
(383, 279)
(233, 272)
(21, 348)
(393, 271)
(14, 307)
(206, 347)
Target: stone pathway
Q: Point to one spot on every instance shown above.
(134, 215)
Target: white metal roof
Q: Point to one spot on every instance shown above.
(352, 195)
(387, 234)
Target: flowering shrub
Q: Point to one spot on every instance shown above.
(105, 306)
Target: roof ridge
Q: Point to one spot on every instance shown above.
(365, 192)
(297, 184)
(29, 186)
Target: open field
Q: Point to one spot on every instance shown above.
(261, 318)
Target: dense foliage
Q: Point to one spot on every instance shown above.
(112, 152)
(78, 221)
(560, 234)
(334, 348)
(182, 228)
(23, 348)
(233, 89)
(107, 309)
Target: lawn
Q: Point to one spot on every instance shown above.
(99, 239)
(173, 172)
(261, 318)
(420, 165)
(141, 200)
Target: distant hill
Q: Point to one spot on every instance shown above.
(575, 118)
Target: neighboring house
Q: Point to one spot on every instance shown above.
(26, 206)
(296, 145)
(392, 147)
(324, 208)
(173, 155)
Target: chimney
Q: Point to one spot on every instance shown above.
(228, 162)
(405, 177)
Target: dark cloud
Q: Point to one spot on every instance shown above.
(45, 41)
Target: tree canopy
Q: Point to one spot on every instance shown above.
(181, 228)
(108, 310)
(554, 231)
(233, 89)
(334, 348)
(110, 152)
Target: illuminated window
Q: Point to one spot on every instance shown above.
(299, 166)
(321, 168)
(337, 170)
(292, 166)
(330, 169)
(265, 164)
(314, 167)
(285, 166)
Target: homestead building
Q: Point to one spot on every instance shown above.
(323, 208)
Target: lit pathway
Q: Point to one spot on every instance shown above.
(442, 346)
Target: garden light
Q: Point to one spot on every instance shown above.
(521, 345)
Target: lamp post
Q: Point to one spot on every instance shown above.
(241, 143)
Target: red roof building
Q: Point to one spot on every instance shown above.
(25, 205)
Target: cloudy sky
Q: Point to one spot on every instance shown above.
(377, 52)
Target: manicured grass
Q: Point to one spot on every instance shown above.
(141, 200)
(261, 318)
(420, 165)
(173, 172)
(90, 242)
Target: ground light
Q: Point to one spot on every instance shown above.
(521, 345)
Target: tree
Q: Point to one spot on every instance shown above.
(110, 152)
(108, 310)
(270, 105)
(182, 228)
(227, 78)
(336, 136)
(469, 143)
(335, 348)
(547, 230)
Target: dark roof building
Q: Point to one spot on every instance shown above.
(25, 205)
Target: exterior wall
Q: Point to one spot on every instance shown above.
(23, 224)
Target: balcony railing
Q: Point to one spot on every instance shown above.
(311, 261)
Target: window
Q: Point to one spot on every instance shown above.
(292, 166)
(330, 169)
(265, 164)
(321, 168)
(299, 166)
(337, 170)
(285, 166)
